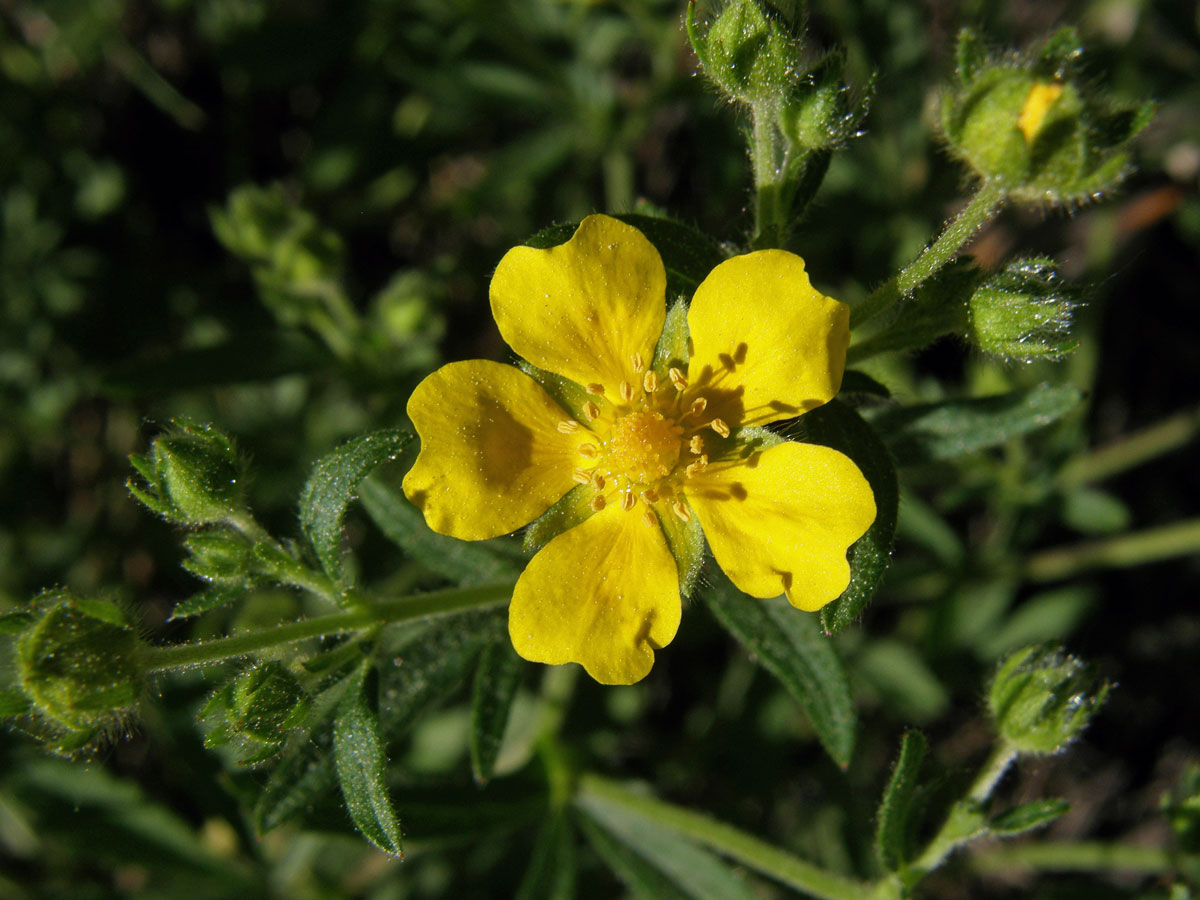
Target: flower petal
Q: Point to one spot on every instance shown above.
(492, 458)
(584, 308)
(766, 344)
(604, 594)
(780, 522)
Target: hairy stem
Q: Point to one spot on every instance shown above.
(981, 207)
(399, 609)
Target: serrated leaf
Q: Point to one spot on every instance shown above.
(464, 563)
(361, 762)
(838, 426)
(416, 673)
(496, 680)
(333, 485)
(214, 598)
(1027, 817)
(935, 432)
(640, 850)
(791, 646)
(894, 828)
(551, 872)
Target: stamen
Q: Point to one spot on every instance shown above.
(638, 364)
(680, 509)
(588, 450)
(719, 426)
(696, 444)
(597, 481)
(650, 382)
(628, 501)
(597, 503)
(698, 406)
(595, 389)
(568, 426)
(650, 495)
(698, 466)
(591, 410)
(649, 518)
(677, 378)
(581, 477)
(626, 391)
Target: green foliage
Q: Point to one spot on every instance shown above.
(192, 475)
(793, 649)
(496, 681)
(255, 711)
(894, 821)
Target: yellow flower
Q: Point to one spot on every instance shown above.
(652, 446)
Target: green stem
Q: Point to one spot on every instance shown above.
(981, 207)
(770, 225)
(1151, 545)
(1132, 450)
(596, 791)
(399, 609)
(1086, 856)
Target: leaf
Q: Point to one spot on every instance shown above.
(418, 672)
(1049, 616)
(790, 645)
(1027, 817)
(15, 622)
(646, 857)
(496, 680)
(551, 872)
(894, 832)
(204, 601)
(935, 432)
(464, 563)
(902, 678)
(838, 426)
(361, 761)
(332, 486)
(13, 703)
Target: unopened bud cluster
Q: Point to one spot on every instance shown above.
(1023, 312)
(255, 712)
(1030, 124)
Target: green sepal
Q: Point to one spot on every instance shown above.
(840, 427)
(333, 486)
(572, 509)
(1027, 817)
(566, 393)
(361, 762)
(192, 475)
(213, 598)
(894, 829)
(219, 555)
(686, 543)
(970, 55)
(790, 645)
(674, 343)
(13, 703)
(497, 678)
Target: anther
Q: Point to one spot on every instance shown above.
(581, 477)
(698, 405)
(568, 426)
(719, 426)
(638, 363)
(698, 466)
(649, 518)
(596, 481)
(596, 389)
(588, 450)
(597, 503)
(677, 378)
(650, 382)
(626, 391)
(680, 509)
(628, 501)
(696, 444)
(650, 495)
(591, 410)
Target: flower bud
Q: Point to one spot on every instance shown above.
(747, 49)
(819, 111)
(255, 711)
(1042, 699)
(1027, 124)
(220, 555)
(80, 664)
(192, 475)
(1023, 312)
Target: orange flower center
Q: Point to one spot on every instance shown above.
(643, 446)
